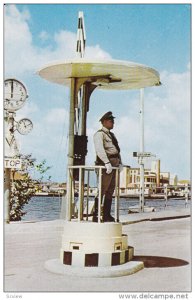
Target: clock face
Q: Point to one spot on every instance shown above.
(24, 126)
(15, 94)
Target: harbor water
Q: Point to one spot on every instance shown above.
(48, 208)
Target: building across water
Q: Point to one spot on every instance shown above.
(154, 180)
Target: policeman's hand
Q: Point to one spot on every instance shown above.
(108, 168)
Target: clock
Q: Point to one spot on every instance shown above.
(15, 94)
(24, 126)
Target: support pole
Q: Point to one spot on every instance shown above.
(83, 132)
(100, 194)
(186, 194)
(88, 176)
(80, 208)
(11, 150)
(141, 198)
(70, 150)
(7, 191)
(165, 194)
(116, 212)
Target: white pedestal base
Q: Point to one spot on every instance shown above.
(55, 266)
(94, 250)
(88, 244)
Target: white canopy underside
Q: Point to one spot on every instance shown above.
(118, 75)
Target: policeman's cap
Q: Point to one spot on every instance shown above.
(107, 116)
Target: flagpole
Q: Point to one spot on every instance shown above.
(141, 150)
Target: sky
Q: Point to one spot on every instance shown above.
(156, 35)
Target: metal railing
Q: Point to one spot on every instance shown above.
(84, 173)
(166, 188)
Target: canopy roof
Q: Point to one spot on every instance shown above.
(112, 74)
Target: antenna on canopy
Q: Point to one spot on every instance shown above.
(81, 36)
(80, 52)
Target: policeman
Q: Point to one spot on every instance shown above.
(108, 155)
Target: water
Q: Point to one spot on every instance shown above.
(42, 209)
(48, 208)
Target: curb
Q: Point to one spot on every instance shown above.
(155, 219)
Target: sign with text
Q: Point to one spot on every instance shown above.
(143, 154)
(13, 163)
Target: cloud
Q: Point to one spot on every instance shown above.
(56, 116)
(171, 107)
(22, 55)
(28, 110)
(99, 53)
(44, 36)
(17, 40)
(48, 139)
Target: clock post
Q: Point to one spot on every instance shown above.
(15, 95)
(11, 150)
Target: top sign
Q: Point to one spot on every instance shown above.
(13, 163)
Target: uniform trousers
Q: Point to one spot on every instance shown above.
(108, 186)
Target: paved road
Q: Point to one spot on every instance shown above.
(161, 239)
